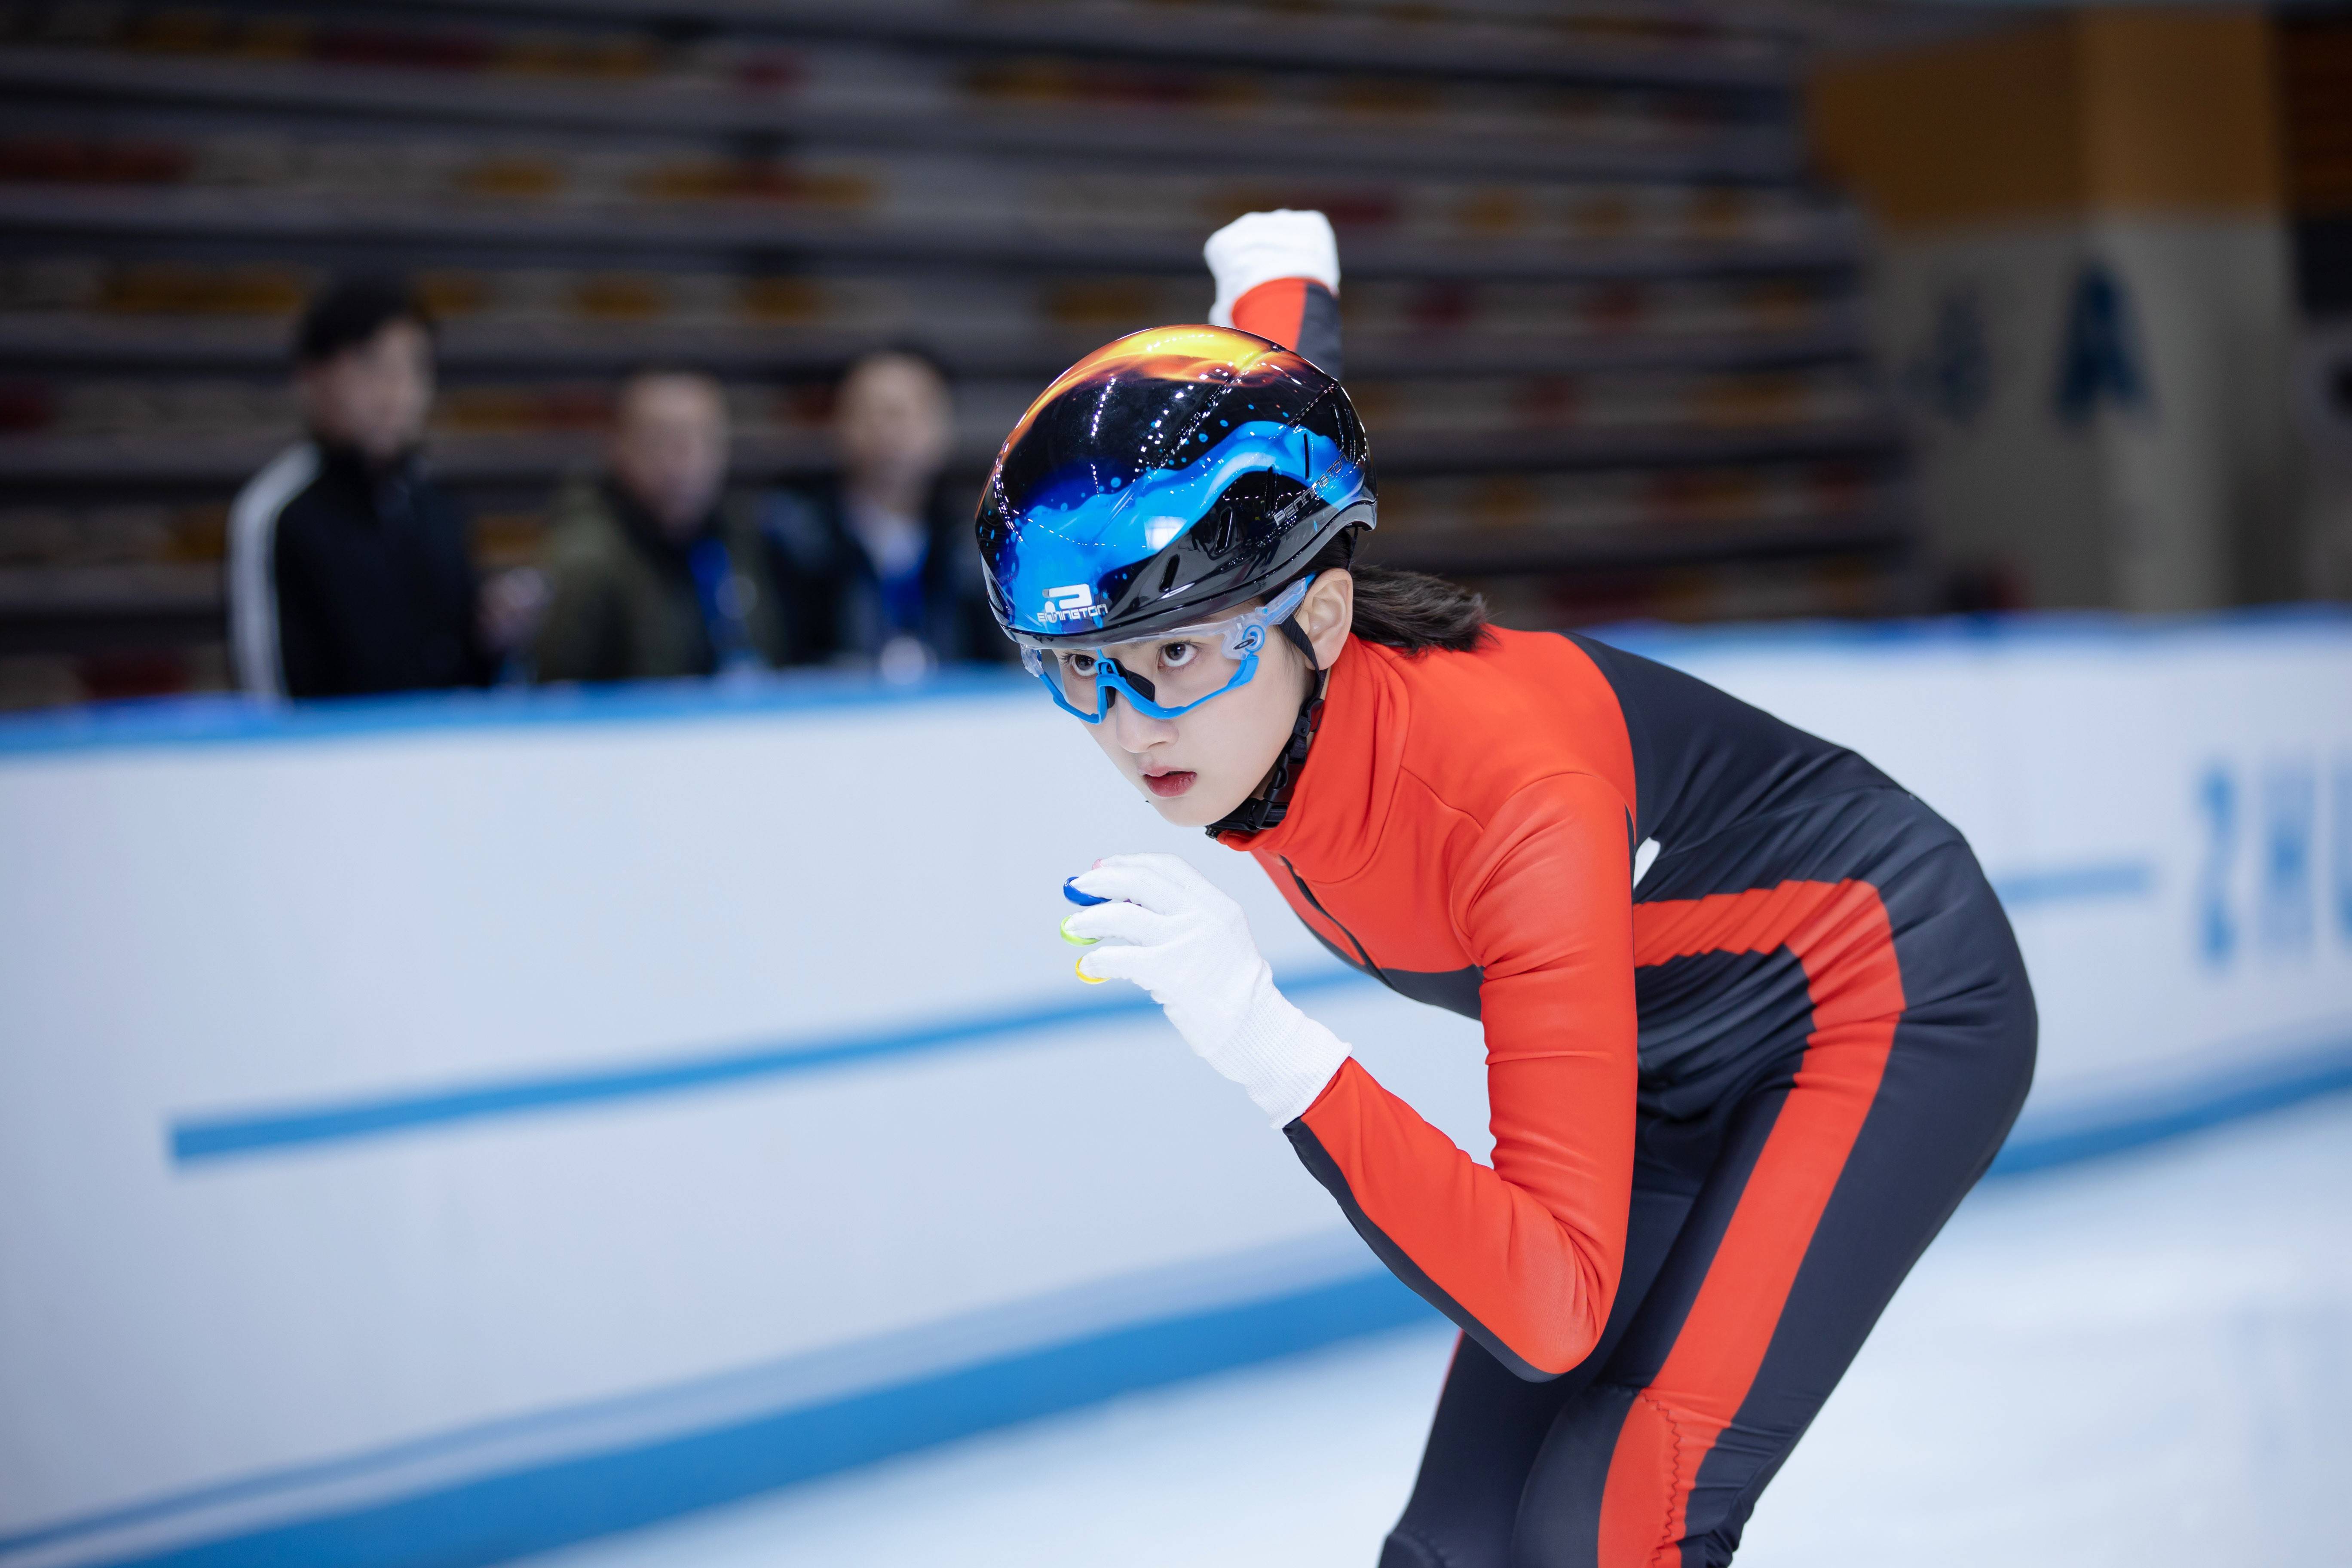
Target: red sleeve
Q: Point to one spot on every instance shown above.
(1300, 314)
(1525, 1256)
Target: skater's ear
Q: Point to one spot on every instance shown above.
(1327, 612)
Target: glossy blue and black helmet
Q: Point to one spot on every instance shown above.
(1164, 477)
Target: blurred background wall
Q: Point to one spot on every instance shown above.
(1607, 332)
(1626, 342)
(1623, 352)
(2082, 291)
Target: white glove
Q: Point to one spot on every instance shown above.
(1188, 945)
(1258, 247)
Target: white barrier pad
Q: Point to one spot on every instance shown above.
(399, 1094)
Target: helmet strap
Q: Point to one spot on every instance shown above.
(1297, 636)
(1270, 803)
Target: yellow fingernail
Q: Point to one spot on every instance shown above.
(1076, 940)
(1084, 975)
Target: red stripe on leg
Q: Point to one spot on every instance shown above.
(1641, 1501)
(1838, 932)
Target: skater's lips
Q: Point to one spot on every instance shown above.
(1168, 782)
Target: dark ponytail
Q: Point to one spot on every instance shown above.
(1407, 610)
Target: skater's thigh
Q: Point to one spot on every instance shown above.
(1491, 1423)
(1833, 1182)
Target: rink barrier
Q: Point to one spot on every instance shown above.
(382, 1506)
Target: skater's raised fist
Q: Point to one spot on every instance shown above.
(1278, 274)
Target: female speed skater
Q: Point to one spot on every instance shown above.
(1737, 1082)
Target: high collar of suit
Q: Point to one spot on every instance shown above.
(1341, 800)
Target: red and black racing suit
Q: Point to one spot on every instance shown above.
(1731, 1108)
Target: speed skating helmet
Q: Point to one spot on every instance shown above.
(1168, 476)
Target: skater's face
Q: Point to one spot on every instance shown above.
(1198, 766)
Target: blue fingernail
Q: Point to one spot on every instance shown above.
(1070, 892)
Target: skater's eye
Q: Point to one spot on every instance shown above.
(1081, 665)
(1177, 655)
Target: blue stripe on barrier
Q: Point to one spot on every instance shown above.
(2042, 1144)
(2074, 884)
(1670, 643)
(212, 721)
(198, 1139)
(505, 1515)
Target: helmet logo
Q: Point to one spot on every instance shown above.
(1072, 602)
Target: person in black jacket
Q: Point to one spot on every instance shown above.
(876, 564)
(349, 568)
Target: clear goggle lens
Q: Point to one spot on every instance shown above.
(1165, 674)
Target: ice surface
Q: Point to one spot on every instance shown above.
(2146, 1361)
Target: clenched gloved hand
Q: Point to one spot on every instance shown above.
(1260, 248)
(1188, 945)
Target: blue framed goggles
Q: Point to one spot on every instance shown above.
(1092, 675)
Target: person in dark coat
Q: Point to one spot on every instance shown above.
(349, 570)
(876, 564)
(652, 572)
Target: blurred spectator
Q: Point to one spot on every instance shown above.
(878, 563)
(349, 568)
(650, 576)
